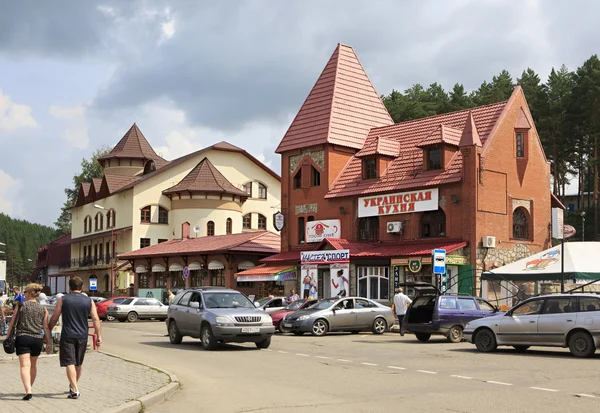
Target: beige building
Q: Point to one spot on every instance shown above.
(143, 200)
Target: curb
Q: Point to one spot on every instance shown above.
(15, 357)
(151, 399)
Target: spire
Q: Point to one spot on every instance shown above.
(341, 108)
(134, 145)
(470, 137)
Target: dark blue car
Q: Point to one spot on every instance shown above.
(447, 315)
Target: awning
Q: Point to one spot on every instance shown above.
(215, 265)
(194, 266)
(158, 268)
(245, 265)
(175, 267)
(98, 235)
(267, 272)
(140, 269)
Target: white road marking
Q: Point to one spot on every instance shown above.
(396, 368)
(282, 352)
(344, 360)
(585, 395)
(323, 357)
(369, 364)
(302, 355)
(427, 371)
(462, 377)
(543, 389)
(498, 382)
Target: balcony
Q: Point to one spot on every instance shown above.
(88, 262)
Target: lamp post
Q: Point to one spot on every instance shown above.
(582, 225)
(112, 252)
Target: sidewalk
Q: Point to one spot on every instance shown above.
(108, 383)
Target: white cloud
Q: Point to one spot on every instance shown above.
(8, 191)
(14, 115)
(76, 131)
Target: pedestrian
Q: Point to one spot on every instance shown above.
(293, 296)
(31, 331)
(171, 296)
(75, 309)
(19, 298)
(401, 301)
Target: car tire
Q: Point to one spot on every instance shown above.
(520, 349)
(282, 329)
(132, 317)
(423, 336)
(581, 344)
(379, 326)
(122, 320)
(455, 334)
(109, 318)
(298, 333)
(264, 344)
(485, 341)
(319, 328)
(174, 335)
(207, 338)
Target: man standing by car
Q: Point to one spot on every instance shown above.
(401, 301)
(75, 309)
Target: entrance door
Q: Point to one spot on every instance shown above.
(325, 285)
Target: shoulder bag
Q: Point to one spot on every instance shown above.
(9, 342)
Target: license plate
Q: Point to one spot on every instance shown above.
(288, 325)
(250, 330)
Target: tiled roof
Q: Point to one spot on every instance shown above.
(285, 256)
(380, 146)
(205, 178)
(406, 171)
(259, 242)
(265, 269)
(340, 109)
(371, 250)
(442, 134)
(134, 145)
(115, 182)
(85, 186)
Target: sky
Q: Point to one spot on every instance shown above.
(75, 75)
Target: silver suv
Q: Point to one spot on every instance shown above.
(218, 315)
(560, 320)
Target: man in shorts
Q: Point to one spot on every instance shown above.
(75, 308)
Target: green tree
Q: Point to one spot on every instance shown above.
(459, 99)
(534, 91)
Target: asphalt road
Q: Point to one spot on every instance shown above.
(361, 373)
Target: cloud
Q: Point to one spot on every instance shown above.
(9, 188)
(76, 132)
(14, 115)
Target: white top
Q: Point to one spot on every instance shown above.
(401, 301)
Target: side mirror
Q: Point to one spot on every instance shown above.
(195, 304)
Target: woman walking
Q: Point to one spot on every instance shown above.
(32, 329)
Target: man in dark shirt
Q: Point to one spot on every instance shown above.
(75, 309)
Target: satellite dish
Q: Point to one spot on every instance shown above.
(196, 229)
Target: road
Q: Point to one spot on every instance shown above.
(360, 373)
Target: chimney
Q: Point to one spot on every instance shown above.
(185, 230)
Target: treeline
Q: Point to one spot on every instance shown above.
(565, 109)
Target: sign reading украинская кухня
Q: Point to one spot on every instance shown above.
(398, 203)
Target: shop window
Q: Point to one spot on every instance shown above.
(262, 222)
(247, 221)
(433, 224)
(368, 229)
(520, 224)
(262, 191)
(143, 281)
(301, 230)
(434, 158)
(196, 278)
(217, 278)
(298, 179)
(163, 215)
(177, 280)
(520, 145)
(248, 189)
(369, 168)
(315, 177)
(229, 226)
(245, 284)
(145, 214)
(210, 228)
(374, 282)
(160, 281)
(144, 242)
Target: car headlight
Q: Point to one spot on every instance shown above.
(267, 320)
(225, 321)
(303, 317)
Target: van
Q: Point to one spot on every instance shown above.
(434, 313)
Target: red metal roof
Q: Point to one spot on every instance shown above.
(259, 242)
(284, 256)
(442, 134)
(134, 145)
(406, 171)
(340, 109)
(470, 136)
(380, 146)
(370, 250)
(265, 269)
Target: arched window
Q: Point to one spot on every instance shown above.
(520, 223)
(163, 215)
(99, 221)
(110, 218)
(229, 226)
(87, 224)
(298, 179)
(262, 191)
(248, 189)
(262, 222)
(145, 214)
(247, 221)
(210, 228)
(149, 167)
(433, 224)
(315, 177)
(368, 229)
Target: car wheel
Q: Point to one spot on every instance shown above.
(264, 344)
(485, 341)
(110, 318)
(207, 339)
(122, 320)
(379, 326)
(581, 344)
(422, 336)
(132, 317)
(319, 328)
(520, 349)
(298, 333)
(174, 334)
(455, 334)
(282, 329)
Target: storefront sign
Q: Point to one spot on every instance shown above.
(278, 220)
(325, 257)
(405, 261)
(340, 275)
(396, 278)
(456, 260)
(317, 231)
(399, 203)
(414, 265)
(289, 274)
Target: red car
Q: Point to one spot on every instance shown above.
(291, 307)
(102, 307)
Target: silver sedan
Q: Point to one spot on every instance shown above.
(352, 314)
(132, 309)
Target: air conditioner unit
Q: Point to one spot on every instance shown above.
(489, 242)
(394, 227)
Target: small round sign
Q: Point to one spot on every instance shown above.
(186, 271)
(568, 231)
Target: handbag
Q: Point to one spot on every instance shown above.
(10, 341)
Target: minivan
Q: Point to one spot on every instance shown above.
(434, 313)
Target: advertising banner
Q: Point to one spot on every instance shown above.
(317, 231)
(310, 284)
(398, 203)
(340, 276)
(285, 275)
(325, 257)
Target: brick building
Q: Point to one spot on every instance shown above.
(474, 182)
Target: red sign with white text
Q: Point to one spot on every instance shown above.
(398, 203)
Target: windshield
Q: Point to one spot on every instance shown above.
(295, 305)
(263, 301)
(227, 300)
(323, 304)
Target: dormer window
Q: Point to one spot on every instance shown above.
(369, 168)
(434, 158)
(298, 180)
(149, 167)
(520, 144)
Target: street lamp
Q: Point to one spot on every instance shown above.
(582, 225)
(112, 246)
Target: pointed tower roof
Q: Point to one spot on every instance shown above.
(341, 108)
(134, 145)
(205, 178)
(470, 137)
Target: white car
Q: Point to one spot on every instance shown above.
(132, 309)
(271, 304)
